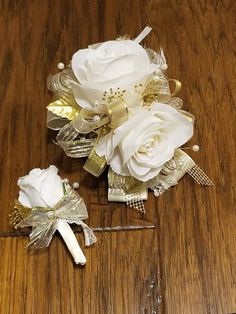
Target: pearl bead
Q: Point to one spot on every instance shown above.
(75, 185)
(164, 66)
(61, 66)
(96, 119)
(66, 180)
(107, 51)
(195, 148)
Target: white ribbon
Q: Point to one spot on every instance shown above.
(143, 34)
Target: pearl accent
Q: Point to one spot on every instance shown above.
(66, 180)
(96, 103)
(195, 148)
(61, 66)
(164, 67)
(75, 185)
(107, 51)
(96, 118)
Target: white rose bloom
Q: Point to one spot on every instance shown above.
(142, 145)
(112, 64)
(41, 188)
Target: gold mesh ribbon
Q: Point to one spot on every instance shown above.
(126, 189)
(174, 170)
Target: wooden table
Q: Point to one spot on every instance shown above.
(178, 259)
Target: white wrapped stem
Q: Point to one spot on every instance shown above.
(71, 242)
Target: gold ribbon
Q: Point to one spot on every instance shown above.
(158, 89)
(127, 183)
(177, 87)
(115, 114)
(126, 189)
(118, 114)
(95, 164)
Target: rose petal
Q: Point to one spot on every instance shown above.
(51, 187)
(145, 142)
(78, 63)
(30, 197)
(41, 187)
(86, 97)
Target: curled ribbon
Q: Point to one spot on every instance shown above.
(78, 138)
(45, 221)
(157, 89)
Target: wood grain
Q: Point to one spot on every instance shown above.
(196, 226)
(116, 278)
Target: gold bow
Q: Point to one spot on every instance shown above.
(44, 221)
(73, 136)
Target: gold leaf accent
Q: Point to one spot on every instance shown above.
(65, 108)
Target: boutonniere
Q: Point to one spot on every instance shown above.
(48, 204)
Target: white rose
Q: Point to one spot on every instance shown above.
(112, 64)
(142, 145)
(41, 188)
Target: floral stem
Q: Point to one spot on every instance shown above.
(71, 242)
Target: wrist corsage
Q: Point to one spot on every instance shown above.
(113, 104)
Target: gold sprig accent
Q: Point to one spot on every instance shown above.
(18, 214)
(111, 95)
